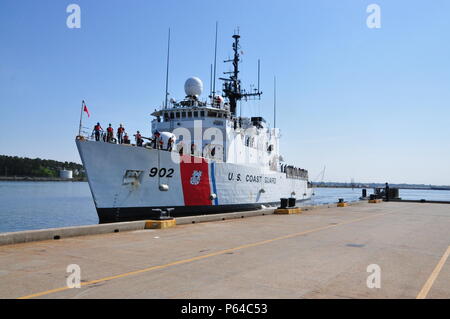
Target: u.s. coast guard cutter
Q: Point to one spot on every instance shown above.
(203, 159)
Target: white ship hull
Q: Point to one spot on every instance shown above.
(128, 182)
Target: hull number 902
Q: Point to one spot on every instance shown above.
(162, 172)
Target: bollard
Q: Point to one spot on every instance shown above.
(284, 203)
(292, 202)
(342, 203)
(164, 221)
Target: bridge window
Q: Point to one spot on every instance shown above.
(177, 115)
(189, 114)
(166, 116)
(183, 114)
(172, 115)
(202, 113)
(195, 113)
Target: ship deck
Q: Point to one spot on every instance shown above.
(321, 253)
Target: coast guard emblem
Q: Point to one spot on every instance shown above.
(196, 176)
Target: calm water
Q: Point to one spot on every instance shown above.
(37, 205)
(331, 195)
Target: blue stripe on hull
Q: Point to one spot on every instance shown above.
(213, 182)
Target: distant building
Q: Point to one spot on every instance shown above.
(67, 174)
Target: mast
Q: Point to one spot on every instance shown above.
(167, 71)
(81, 118)
(215, 63)
(259, 72)
(274, 102)
(232, 85)
(211, 80)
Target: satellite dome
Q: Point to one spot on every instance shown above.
(193, 87)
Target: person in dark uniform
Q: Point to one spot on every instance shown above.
(126, 139)
(120, 132)
(97, 130)
(138, 138)
(110, 133)
(170, 144)
(386, 192)
(156, 140)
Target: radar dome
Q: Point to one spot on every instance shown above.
(193, 87)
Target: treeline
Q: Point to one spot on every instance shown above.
(22, 166)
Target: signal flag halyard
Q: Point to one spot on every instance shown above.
(85, 109)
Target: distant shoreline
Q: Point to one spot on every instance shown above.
(37, 179)
(434, 188)
(58, 179)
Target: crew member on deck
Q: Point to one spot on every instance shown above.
(138, 138)
(110, 133)
(96, 132)
(156, 140)
(120, 132)
(170, 144)
(126, 139)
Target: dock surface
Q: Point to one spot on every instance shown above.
(321, 253)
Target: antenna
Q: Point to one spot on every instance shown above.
(274, 102)
(167, 71)
(215, 63)
(211, 80)
(240, 108)
(259, 73)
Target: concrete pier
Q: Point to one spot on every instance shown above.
(328, 252)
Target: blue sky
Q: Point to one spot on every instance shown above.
(369, 104)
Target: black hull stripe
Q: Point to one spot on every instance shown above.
(111, 215)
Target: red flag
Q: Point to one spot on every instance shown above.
(85, 109)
